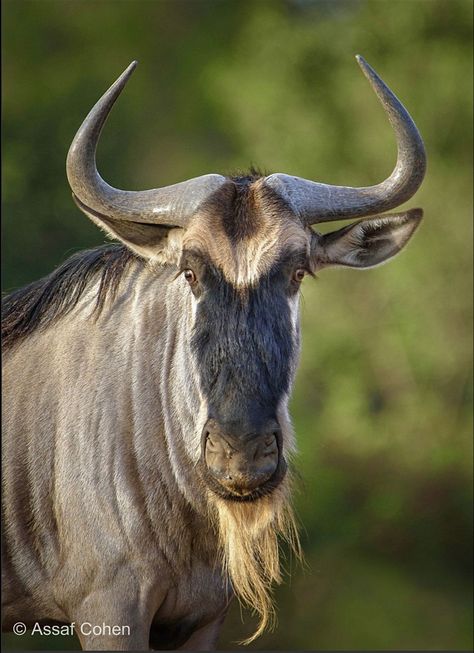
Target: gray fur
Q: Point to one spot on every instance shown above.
(103, 503)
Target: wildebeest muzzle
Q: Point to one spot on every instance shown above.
(241, 465)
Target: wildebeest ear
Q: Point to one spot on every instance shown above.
(148, 240)
(367, 243)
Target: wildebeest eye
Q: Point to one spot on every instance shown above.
(189, 276)
(299, 275)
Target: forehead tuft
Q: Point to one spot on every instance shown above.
(243, 229)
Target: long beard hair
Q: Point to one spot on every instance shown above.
(249, 536)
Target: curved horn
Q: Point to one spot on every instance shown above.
(316, 202)
(171, 205)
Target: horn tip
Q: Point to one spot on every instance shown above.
(125, 76)
(362, 62)
(369, 72)
(128, 70)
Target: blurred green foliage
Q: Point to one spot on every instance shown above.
(382, 405)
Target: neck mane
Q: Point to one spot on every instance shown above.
(42, 303)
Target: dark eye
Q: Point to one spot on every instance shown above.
(299, 275)
(190, 276)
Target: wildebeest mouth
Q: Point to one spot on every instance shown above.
(246, 497)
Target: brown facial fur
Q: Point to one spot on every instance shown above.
(243, 229)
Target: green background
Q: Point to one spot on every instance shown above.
(382, 404)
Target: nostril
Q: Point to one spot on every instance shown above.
(268, 448)
(209, 441)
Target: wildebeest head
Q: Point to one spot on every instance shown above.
(243, 246)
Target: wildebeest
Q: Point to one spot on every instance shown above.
(146, 386)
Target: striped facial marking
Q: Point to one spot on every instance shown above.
(244, 230)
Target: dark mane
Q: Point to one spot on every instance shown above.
(42, 302)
